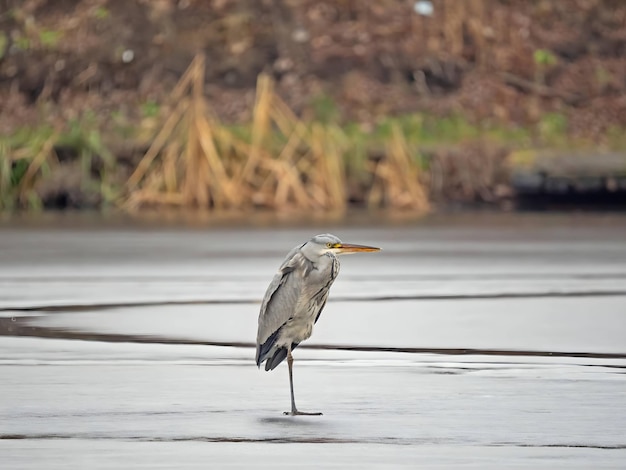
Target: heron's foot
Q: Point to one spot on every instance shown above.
(301, 413)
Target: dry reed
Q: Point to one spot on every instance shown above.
(196, 161)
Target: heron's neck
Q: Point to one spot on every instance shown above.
(328, 258)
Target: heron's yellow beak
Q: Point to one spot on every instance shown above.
(343, 248)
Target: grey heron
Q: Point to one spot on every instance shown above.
(294, 301)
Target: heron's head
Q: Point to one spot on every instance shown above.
(327, 243)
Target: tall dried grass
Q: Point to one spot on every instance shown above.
(196, 161)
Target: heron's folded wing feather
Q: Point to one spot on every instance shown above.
(281, 297)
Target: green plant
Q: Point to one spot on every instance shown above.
(49, 38)
(4, 44)
(101, 13)
(85, 140)
(603, 77)
(150, 108)
(22, 43)
(325, 109)
(616, 138)
(544, 57)
(24, 156)
(553, 127)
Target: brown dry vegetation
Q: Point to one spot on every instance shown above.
(65, 64)
(284, 164)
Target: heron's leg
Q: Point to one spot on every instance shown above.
(294, 411)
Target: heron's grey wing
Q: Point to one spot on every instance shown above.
(280, 299)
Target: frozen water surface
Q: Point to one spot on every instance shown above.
(495, 344)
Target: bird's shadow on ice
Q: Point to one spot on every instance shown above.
(293, 420)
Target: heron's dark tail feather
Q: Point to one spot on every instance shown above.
(263, 350)
(278, 357)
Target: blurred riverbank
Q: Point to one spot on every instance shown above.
(310, 106)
